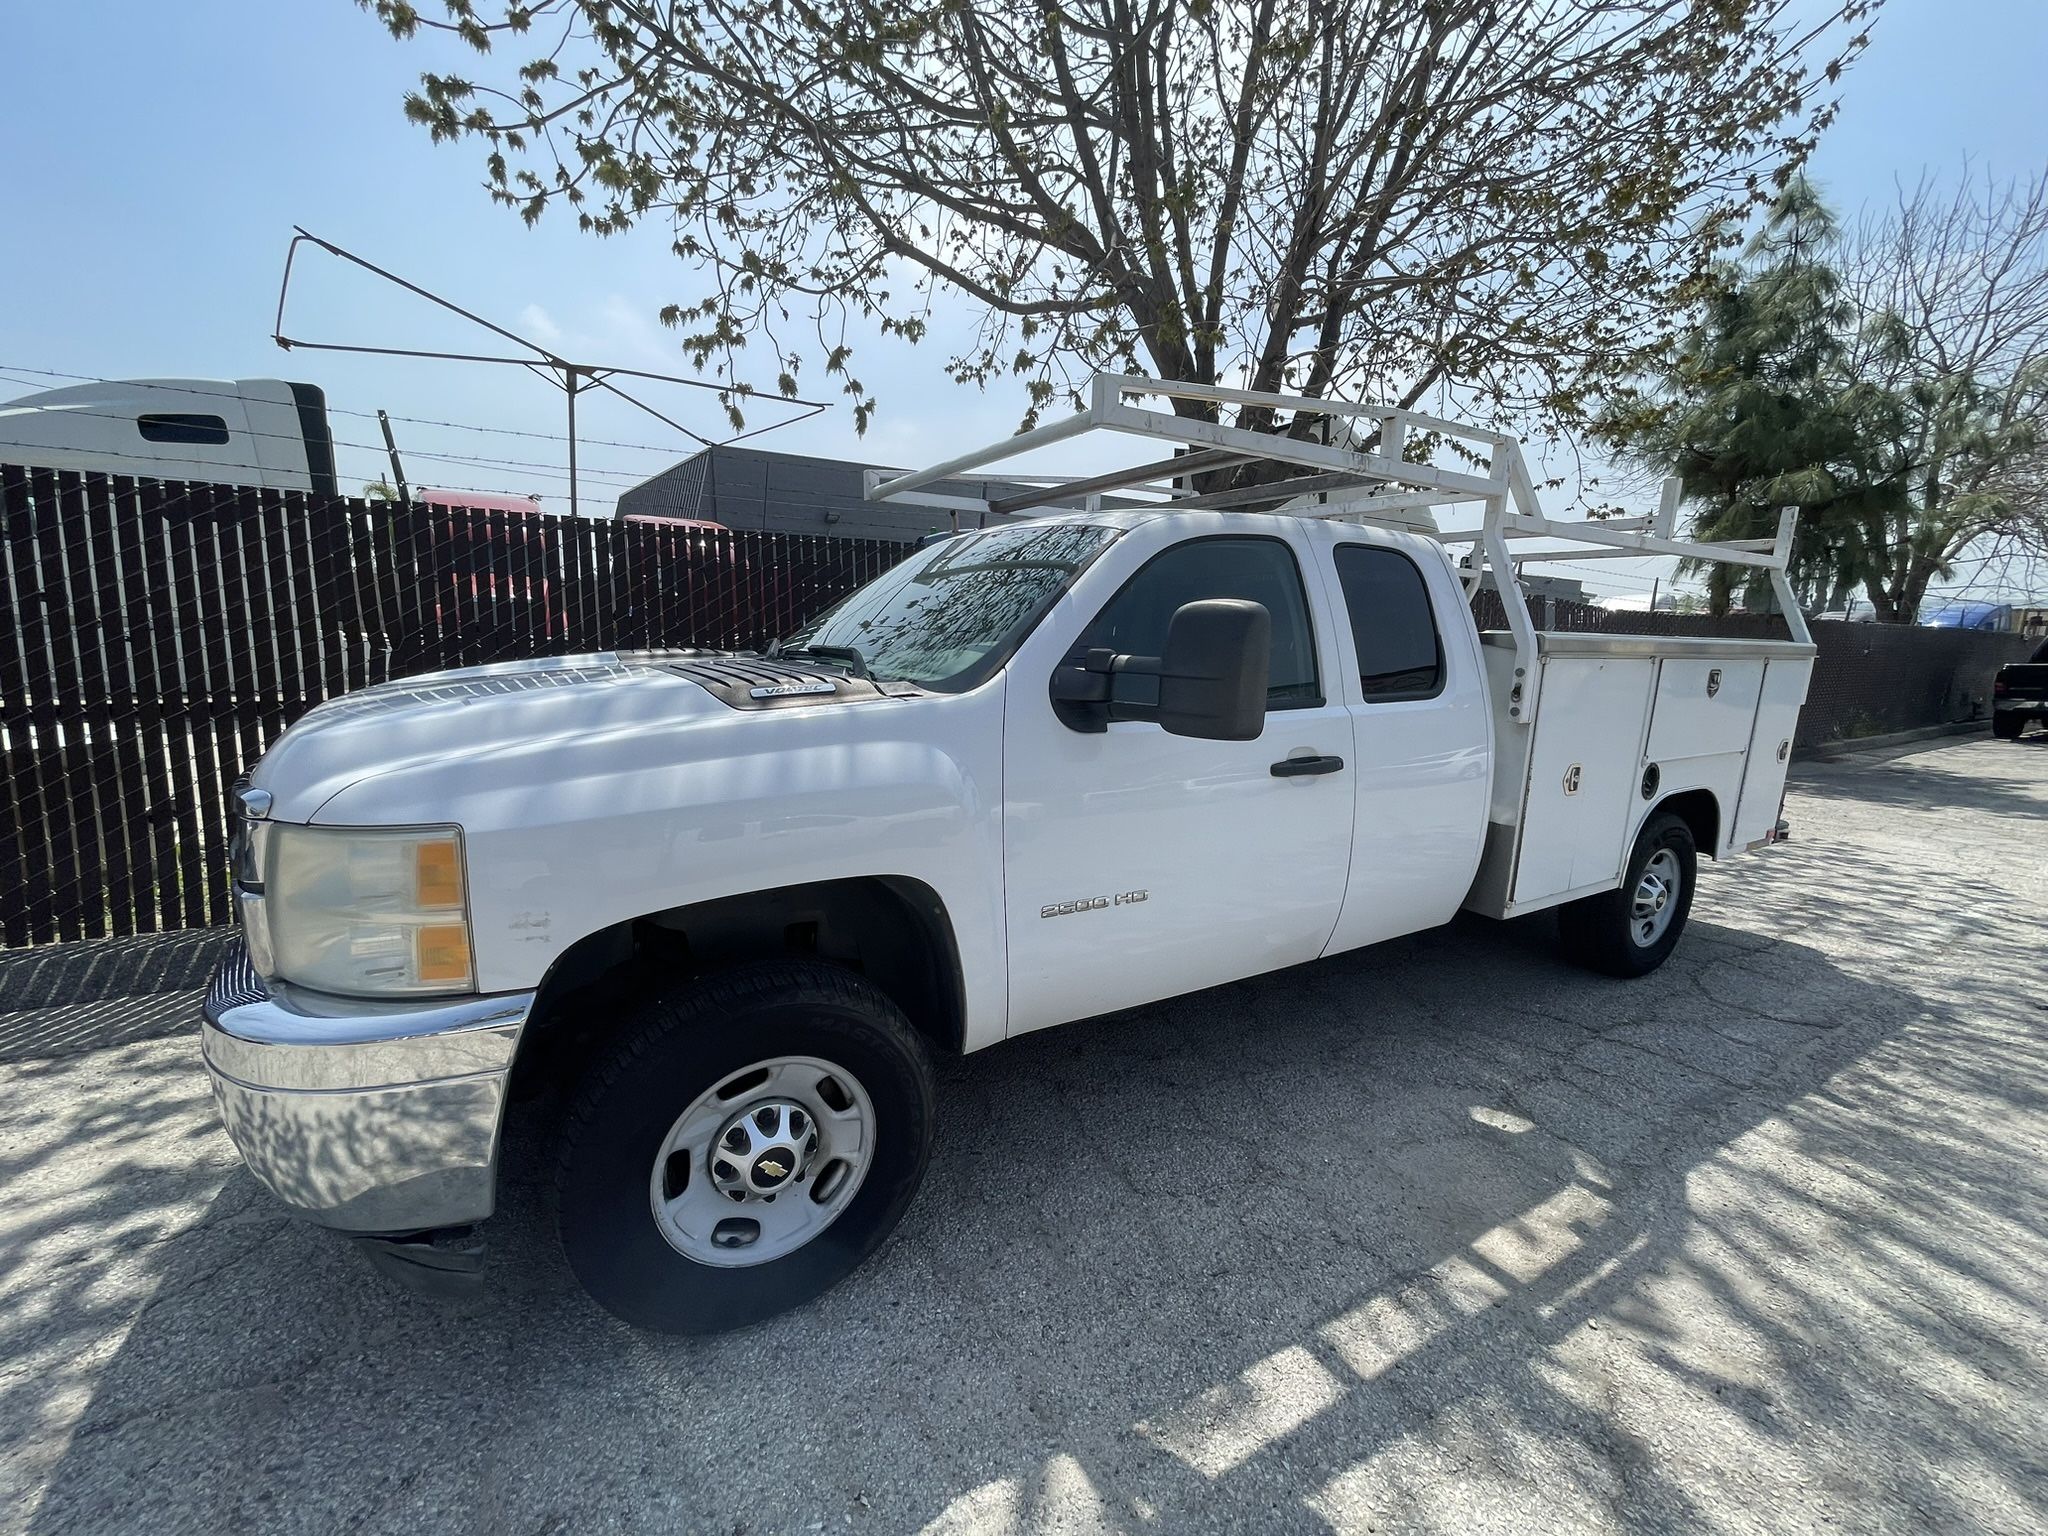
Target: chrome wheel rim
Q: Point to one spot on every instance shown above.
(1654, 902)
(762, 1162)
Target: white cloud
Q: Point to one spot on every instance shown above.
(539, 324)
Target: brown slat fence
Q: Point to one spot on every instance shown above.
(156, 636)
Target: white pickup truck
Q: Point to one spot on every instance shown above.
(1060, 765)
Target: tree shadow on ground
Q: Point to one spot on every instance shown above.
(1935, 779)
(98, 1024)
(1439, 1235)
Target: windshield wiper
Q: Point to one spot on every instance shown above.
(856, 663)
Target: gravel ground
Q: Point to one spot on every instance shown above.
(1443, 1236)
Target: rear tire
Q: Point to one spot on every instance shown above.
(1631, 931)
(790, 1078)
(2007, 727)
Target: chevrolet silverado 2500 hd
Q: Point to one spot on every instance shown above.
(1038, 771)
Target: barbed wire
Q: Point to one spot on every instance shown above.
(627, 477)
(150, 458)
(337, 410)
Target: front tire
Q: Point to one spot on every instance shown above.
(1631, 931)
(745, 1144)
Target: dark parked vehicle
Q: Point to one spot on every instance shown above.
(2020, 694)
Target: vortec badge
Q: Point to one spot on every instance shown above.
(786, 690)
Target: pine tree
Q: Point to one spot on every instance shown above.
(1759, 409)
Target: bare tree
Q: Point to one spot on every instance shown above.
(1951, 293)
(1378, 198)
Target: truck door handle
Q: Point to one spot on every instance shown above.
(1296, 767)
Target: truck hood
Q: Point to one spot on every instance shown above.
(476, 713)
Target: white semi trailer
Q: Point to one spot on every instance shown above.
(260, 432)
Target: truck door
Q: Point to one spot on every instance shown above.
(1140, 865)
(1416, 692)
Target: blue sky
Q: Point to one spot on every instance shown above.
(158, 156)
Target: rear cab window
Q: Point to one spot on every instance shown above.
(1400, 651)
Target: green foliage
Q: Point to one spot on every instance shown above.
(1373, 198)
(1757, 410)
(1818, 376)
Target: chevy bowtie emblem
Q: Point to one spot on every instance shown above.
(772, 1168)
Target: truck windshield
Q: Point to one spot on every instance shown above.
(948, 616)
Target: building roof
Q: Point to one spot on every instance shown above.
(757, 490)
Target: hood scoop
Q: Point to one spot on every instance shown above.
(757, 682)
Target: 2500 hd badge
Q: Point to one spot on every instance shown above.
(1093, 903)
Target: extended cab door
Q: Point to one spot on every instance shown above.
(1413, 683)
(1139, 865)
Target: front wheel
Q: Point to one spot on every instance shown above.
(1632, 931)
(745, 1145)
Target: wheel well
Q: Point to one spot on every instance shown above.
(1701, 812)
(890, 929)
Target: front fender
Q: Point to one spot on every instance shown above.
(578, 837)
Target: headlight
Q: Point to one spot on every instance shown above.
(360, 910)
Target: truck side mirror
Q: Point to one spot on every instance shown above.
(1212, 679)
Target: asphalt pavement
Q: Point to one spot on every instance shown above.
(1444, 1236)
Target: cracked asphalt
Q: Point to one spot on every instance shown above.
(1439, 1237)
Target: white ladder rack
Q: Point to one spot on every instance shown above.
(1377, 486)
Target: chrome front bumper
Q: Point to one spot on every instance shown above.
(364, 1117)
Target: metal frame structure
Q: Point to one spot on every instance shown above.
(1377, 485)
(572, 378)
